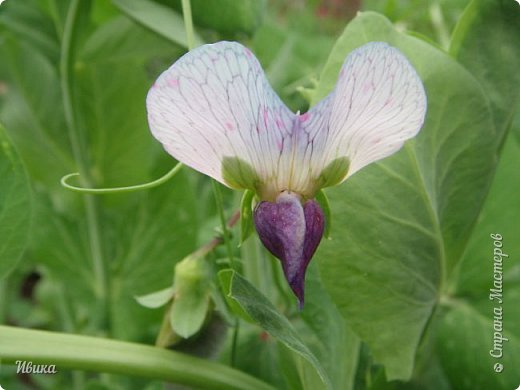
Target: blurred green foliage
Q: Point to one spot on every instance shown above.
(403, 302)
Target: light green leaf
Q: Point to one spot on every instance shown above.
(486, 42)
(158, 18)
(321, 198)
(258, 307)
(192, 291)
(401, 224)
(15, 206)
(156, 299)
(225, 278)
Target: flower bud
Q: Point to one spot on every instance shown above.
(291, 232)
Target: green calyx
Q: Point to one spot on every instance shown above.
(333, 173)
(239, 174)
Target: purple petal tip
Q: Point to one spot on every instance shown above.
(292, 233)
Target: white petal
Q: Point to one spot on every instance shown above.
(215, 102)
(378, 103)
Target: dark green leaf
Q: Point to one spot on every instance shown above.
(25, 20)
(486, 42)
(467, 332)
(15, 206)
(228, 16)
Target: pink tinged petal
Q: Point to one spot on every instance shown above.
(292, 233)
(206, 108)
(378, 103)
(372, 123)
(304, 117)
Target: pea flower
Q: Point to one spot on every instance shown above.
(215, 111)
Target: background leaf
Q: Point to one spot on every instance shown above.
(485, 42)
(230, 17)
(403, 223)
(265, 314)
(158, 18)
(15, 206)
(129, 244)
(467, 327)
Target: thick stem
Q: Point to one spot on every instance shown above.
(117, 357)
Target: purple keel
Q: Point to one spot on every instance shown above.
(292, 233)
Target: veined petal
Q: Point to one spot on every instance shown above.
(378, 103)
(215, 111)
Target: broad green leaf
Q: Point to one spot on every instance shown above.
(500, 214)
(334, 344)
(258, 307)
(158, 18)
(191, 301)
(466, 338)
(402, 223)
(486, 42)
(470, 313)
(156, 299)
(15, 206)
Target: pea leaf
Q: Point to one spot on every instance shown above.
(15, 206)
(485, 41)
(470, 312)
(402, 224)
(258, 307)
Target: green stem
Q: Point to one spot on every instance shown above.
(68, 351)
(79, 156)
(188, 23)
(225, 230)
